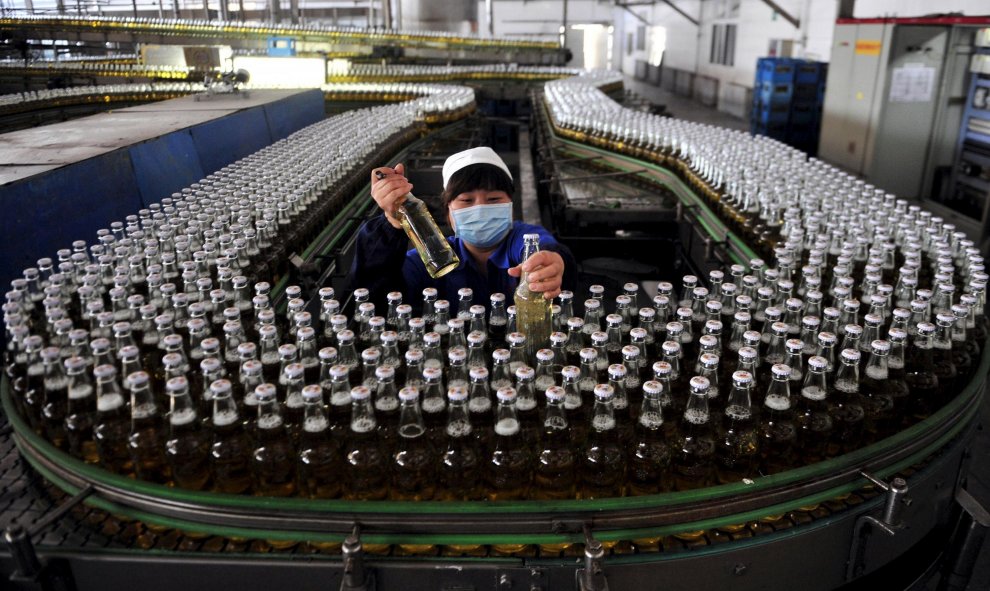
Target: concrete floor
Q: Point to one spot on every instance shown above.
(682, 107)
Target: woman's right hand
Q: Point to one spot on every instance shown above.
(390, 191)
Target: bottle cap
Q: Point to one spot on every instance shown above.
(850, 355)
(413, 356)
(384, 372)
(252, 367)
(604, 392)
(574, 323)
(817, 362)
(403, 309)
(661, 368)
(709, 360)
(638, 334)
(516, 338)
(432, 373)
(431, 338)
(854, 330)
(880, 347)
(478, 373)
(599, 338)
(555, 394)
(670, 348)
(476, 337)
(457, 393)
(407, 394)
(456, 324)
(389, 337)
(926, 328)
(376, 322)
(588, 354)
(794, 346)
(501, 355)
(294, 371)
(220, 387)
(742, 377)
(826, 338)
(360, 393)
(652, 387)
(570, 372)
(699, 384)
(506, 394)
(370, 355)
(630, 352)
(312, 393)
(525, 372)
(616, 371)
(497, 297)
(613, 319)
(441, 305)
(779, 370)
(265, 392)
(345, 336)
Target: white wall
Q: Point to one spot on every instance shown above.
(908, 8)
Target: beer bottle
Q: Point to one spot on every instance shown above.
(679, 378)
(231, 447)
(649, 455)
(590, 376)
(497, 321)
(476, 320)
(346, 352)
(692, 460)
(320, 461)
(896, 385)
(441, 309)
(942, 358)
(459, 465)
(56, 397)
(809, 334)
(636, 373)
(878, 403)
(273, 463)
(737, 452)
(965, 351)
(526, 410)
(308, 355)
(775, 353)
(599, 342)
(544, 370)
(709, 370)
(340, 401)
(432, 355)
(613, 338)
(620, 403)
(920, 375)
(414, 369)
(812, 416)
(417, 332)
(456, 338)
(370, 359)
(794, 359)
(147, 436)
(211, 370)
(778, 432)
(575, 341)
(457, 374)
(846, 405)
(251, 377)
(80, 412)
(673, 406)
(187, 444)
(476, 351)
(509, 466)
(592, 321)
(33, 396)
(826, 349)
(414, 461)
(647, 322)
(574, 405)
(554, 473)
(112, 425)
(366, 469)
(434, 405)
(480, 409)
(294, 376)
(387, 406)
(602, 467)
(501, 374)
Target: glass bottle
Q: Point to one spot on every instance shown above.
(147, 435)
(387, 406)
(509, 467)
(920, 375)
(187, 442)
(80, 412)
(366, 472)
(434, 406)
(602, 465)
(230, 451)
(501, 374)
(498, 319)
(273, 462)
(845, 405)
(459, 461)
(414, 462)
(737, 452)
(113, 425)
(56, 396)
(811, 413)
(434, 250)
(649, 454)
(877, 401)
(526, 410)
(554, 472)
(480, 408)
(693, 456)
(544, 370)
(320, 462)
(340, 401)
(777, 430)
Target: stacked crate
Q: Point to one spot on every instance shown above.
(787, 101)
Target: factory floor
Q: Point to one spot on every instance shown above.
(683, 107)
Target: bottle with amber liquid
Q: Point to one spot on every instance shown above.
(693, 456)
(231, 448)
(273, 465)
(919, 374)
(366, 462)
(778, 433)
(877, 400)
(811, 413)
(187, 442)
(509, 467)
(532, 309)
(737, 453)
(414, 461)
(320, 460)
(846, 405)
(602, 461)
(80, 412)
(147, 437)
(943, 358)
(113, 425)
(554, 471)
(459, 462)
(649, 454)
(56, 398)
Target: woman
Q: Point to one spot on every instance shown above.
(478, 200)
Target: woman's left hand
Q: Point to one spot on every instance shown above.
(546, 271)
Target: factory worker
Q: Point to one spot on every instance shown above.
(477, 196)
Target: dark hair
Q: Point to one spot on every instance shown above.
(474, 177)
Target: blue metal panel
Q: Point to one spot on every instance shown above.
(47, 212)
(293, 113)
(165, 165)
(230, 138)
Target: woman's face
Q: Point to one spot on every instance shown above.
(477, 197)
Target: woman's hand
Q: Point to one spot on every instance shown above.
(390, 191)
(545, 272)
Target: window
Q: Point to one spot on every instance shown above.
(658, 43)
(629, 43)
(723, 49)
(641, 38)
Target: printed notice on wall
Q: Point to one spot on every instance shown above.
(912, 83)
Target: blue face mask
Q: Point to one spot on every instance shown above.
(483, 225)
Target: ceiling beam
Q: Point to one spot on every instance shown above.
(693, 20)
(787, 16)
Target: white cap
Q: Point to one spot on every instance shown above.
(481, 155)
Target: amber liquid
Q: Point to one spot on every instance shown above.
(532, 317)
(602, 464)
(366, 467)
(146, 445)
(273, 463)
(53, 415)
(508, 467)
(814, 424)
(111, 433)
(649, 462)
(693, 459)
(434, 250)
(188, 453)
(229, 456)
(79, 420)
(320, 464)
(736, 456)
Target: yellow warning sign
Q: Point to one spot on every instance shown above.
(868, 46)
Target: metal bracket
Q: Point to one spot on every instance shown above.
(356, 576)
(889, 521)
(965, 543)
(592, 576)
(28, 568)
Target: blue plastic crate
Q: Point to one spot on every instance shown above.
(771, 113)
(809, 92)
(805, 115)
(810, 72)
(773, 92)
(774, 130)
(775, 69)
